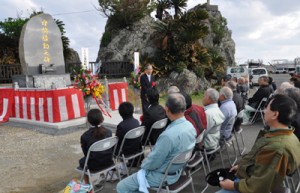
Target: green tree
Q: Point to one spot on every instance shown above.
(123, 13)
(161, 6)
(10, 31)
(178, 5)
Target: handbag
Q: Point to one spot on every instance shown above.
(214, 177)
(75, 186)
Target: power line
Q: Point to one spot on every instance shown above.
(68, 13)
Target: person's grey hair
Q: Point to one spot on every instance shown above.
(173, 89)
(213, 94)
(176, 103)
(226, 92)
(283, 87)
(294, 93)
(231, 84)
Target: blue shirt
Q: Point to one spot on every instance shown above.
(228, 109)
(178, 137)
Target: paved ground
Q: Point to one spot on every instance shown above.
(35, 162)
(32, 161)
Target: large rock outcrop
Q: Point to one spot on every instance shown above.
(186, 81)
(136, 38)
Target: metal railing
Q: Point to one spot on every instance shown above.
(8, 70)
(114, 69)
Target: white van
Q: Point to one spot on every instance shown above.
(255, 73)
(238, 71)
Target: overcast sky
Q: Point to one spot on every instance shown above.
(261, 29)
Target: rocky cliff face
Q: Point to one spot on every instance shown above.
(138, 37)
(227, 46)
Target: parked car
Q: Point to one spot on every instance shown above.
(280, 70)
(255, 73)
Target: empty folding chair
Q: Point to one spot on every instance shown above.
(136, 133)
(183, 181)
(99, 146)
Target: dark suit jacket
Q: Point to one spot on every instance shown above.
(154, 113)
(238, 101)
(145, 84)
(97, 160)
(131, 146)
(263, 91)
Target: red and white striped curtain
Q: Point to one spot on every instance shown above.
(6, 100)
(118, 93)
(45, 105)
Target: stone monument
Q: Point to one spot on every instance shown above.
(41, 55)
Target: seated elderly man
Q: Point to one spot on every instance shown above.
(214, 117)
(228, 109)
(239, 103)
(275, 153)
(173, 141)
(253, 102)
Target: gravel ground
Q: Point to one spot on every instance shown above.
(34, 162)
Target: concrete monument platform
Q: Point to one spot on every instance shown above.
(67, 126)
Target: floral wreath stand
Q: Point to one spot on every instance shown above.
(88, 100)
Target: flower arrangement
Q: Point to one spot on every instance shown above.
(88, 84)
(135, 80)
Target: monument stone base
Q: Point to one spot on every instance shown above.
(43, 81)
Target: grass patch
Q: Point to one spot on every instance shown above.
(134, 98)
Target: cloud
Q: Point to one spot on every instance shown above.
(261, 29)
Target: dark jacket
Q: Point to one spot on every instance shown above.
(262, 92)
(97, 160)
(130, 146)
(238, 101)
(154, 113)
(145, 84)
(196, 115)
(296, 124)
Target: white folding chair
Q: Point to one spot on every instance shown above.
(289, 180)
(197, 158)
(132, 134)
(239, 115)
(207, 152)
(259, 111)
(193, 164)
(99, 146)
(183, 181)
(230, 123)
(161, 124)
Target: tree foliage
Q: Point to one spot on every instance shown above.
(123, 13)
(178, 42)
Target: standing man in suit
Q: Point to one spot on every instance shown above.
(147, 82)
